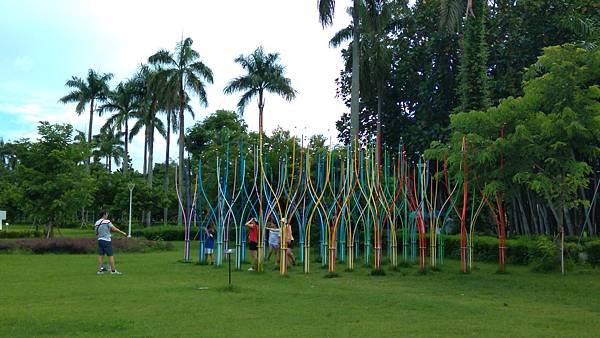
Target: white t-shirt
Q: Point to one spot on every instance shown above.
(103, 229)
(274, 236)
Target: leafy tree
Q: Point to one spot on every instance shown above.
(208, 141)
(53, 185)
(551, 133)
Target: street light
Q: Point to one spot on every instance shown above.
(130, 186)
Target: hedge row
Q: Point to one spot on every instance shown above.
(21, 234)
(71, 245)
(521, 251)
(524, 251)
(161, 233)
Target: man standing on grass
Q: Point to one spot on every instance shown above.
(103, 230)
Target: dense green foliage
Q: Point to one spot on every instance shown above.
(546, 141)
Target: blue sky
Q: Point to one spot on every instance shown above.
(44, 43)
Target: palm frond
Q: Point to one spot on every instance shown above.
(201, 69)
(451, 14)
(326, 12)
(245, 99)
(340, 37)
(162, 57)
(239, 84)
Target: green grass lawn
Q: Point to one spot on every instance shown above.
(60, 295)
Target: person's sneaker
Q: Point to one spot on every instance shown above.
(100, 272)
(115, 272)
(251, 269)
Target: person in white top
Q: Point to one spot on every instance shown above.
(103, 231)
(274, 236)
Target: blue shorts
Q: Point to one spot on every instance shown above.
(105, 248)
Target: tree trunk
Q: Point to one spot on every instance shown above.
(146, 129)
(562, 240)
(126, 159)
(532, 211)
(90, 128)
(526, 229)
(355, 89)
(513, 215)
(182, 170)
(150, 159)
(569, 222)
(166, 181)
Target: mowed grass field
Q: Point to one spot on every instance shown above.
(158, 296)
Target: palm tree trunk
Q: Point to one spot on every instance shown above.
(261, 105)
(145, 149)
(166, 182)
(126, 159)
(150, 160)
(182, 170)
(355, 90)
(90, 128)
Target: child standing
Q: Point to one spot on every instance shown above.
(209, 244)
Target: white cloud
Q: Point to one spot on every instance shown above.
(130, 31)
(23, 63)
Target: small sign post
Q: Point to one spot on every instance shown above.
(2, 217)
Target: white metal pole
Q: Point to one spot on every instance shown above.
(131, 186)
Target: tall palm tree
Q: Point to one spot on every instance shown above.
(184, 68)
(326, 14)
(170, 109)
(263, 73)
(93, 90)
(375, 58)
(122, 101)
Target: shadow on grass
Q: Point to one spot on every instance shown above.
(230, 288)
(331, 275)
(377, 272)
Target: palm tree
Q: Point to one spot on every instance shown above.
(170, 110)
(375, 62)
(184, 69)
(122, 101)
(109, 145)
(93, 90)
(263, 73)
(326, 13)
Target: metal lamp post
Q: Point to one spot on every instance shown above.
(130, 186)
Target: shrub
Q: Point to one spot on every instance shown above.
(21, 234)
(593, 252)
(545, 255)
(80, 245)
(163, 233)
